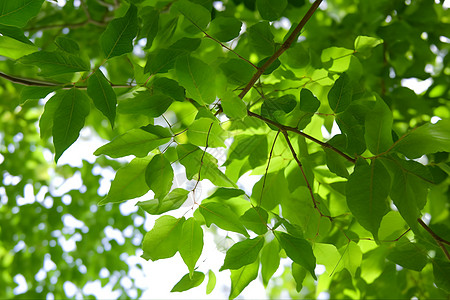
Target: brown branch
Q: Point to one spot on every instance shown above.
(440, 241)
(282, 49)
(293, 129)
(203, 155)
(267, 168)
(299, 163)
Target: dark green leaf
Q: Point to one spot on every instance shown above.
(35, 92)
(308, 102)
(441, 272)
(145, 103)
(187, 282)
(67, 45)
(225, 28)
(150, 21)
(118, 37)
(172, 201)
(221, 215)
(378, 133)
(69, 119)
(15, 33)
(367, 190)
(17, 13)
(101, 92)
(237, 71)
(261, 38)
(55, 63)
(271, 10)
(194, 13)
(169, 87)
(162, 241)
(408, 255)
(340, 95)
(243, 253)
(299, 250)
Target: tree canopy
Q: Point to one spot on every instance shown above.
(309, 97)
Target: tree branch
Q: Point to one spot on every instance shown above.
(440, 241)
(293, 129)
(282, 49)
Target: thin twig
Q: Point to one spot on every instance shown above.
(440, 241)
(293, 129)
(299, 163)
(203, 155)
(267, 168)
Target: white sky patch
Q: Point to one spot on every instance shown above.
(435, 119)
(22, 284)
(334, 131)
(418, 86)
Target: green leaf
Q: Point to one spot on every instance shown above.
(162, 241)
(275, 189)
(365, 44)
(119, 34)
(211, 282)
(243, 253)
(351, 257)
(172, 201)
(378, 133)
(69, 119)
(15, 49)
(206, 132)
(441, 272)
(225, 29)
(67, 45)
(169, 87)
(277, 108)
(409, 187)
(197, 78)
(336, 163)
(46, 120)
(261, 38)
(271, 10)
(15, 33)
(191, 158)
(103, 95)
(150, 21)
(129, 182)
(223, 194)
(233, 106)
(299, 250)
(35, 93)
(159, 175)
(367, 190)
(308, 102)
(270, 260)
(145, 103)
(237, 71)
(408, 255)
(17, 13)
(428, 138)
(55, 63)
(340, 95)
(138, 142)
(187, 282)
(299, 274)
(255, 219)
(221, 215)
(242, 277)
(191, 244)
(194, 13)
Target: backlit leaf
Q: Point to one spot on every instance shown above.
(270, 260)
(129, 182)
(69, 119)
(162, 241)
(299, 274)
(191, 244)
(118, 36)
(145, 103)
(255, 219)
(101, 92)
(242, 277)
(15, 49)
(211, 282)
(138, 142)
(233, 106)
(187, 282)
(172, 201)
(224, 28)
(271, 10)
(15, 33)
(243, 253)
(193, 12)
(222, 216)
(365, 44)
(159, 175)
(261, 38)
(206, 132)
